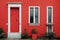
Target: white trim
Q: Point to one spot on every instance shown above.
(14, 34)
(34, 15)
(52, 17)
(29, 15)
(39, 14)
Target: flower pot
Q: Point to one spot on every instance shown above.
(34, 36)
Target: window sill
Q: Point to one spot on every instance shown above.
(49, 24)
(33, 24)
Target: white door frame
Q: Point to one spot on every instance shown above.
(14, 34)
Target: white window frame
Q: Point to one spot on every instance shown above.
(34, 15)
(51, 19)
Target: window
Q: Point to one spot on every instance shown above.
(34, 14)
(49, 14)
(50, 18)
(49, 29)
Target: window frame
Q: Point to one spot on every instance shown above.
(34, 15)
(51, 18)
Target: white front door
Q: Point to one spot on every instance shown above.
(14, 20)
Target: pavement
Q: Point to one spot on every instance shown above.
(26, 39)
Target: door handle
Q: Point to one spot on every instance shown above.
(16, 20)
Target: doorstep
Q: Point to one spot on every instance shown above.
(11, 39)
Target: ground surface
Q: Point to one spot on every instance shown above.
(27, 39)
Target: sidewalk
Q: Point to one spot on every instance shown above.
(27, 39)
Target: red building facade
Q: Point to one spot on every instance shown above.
(17, 15)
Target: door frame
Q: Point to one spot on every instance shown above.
(14, 34)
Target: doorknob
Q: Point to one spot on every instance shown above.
(16, 20)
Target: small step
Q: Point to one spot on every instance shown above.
(11, 39)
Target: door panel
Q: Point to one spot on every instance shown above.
(14, 19)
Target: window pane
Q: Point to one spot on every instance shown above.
(36, 15)
(49, 14)
(49, 29)
(31, 15)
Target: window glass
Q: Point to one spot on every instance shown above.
(49, 15)
(36, 15)
(49, 29)
(31, 15)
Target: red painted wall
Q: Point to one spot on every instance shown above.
(25, 4)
